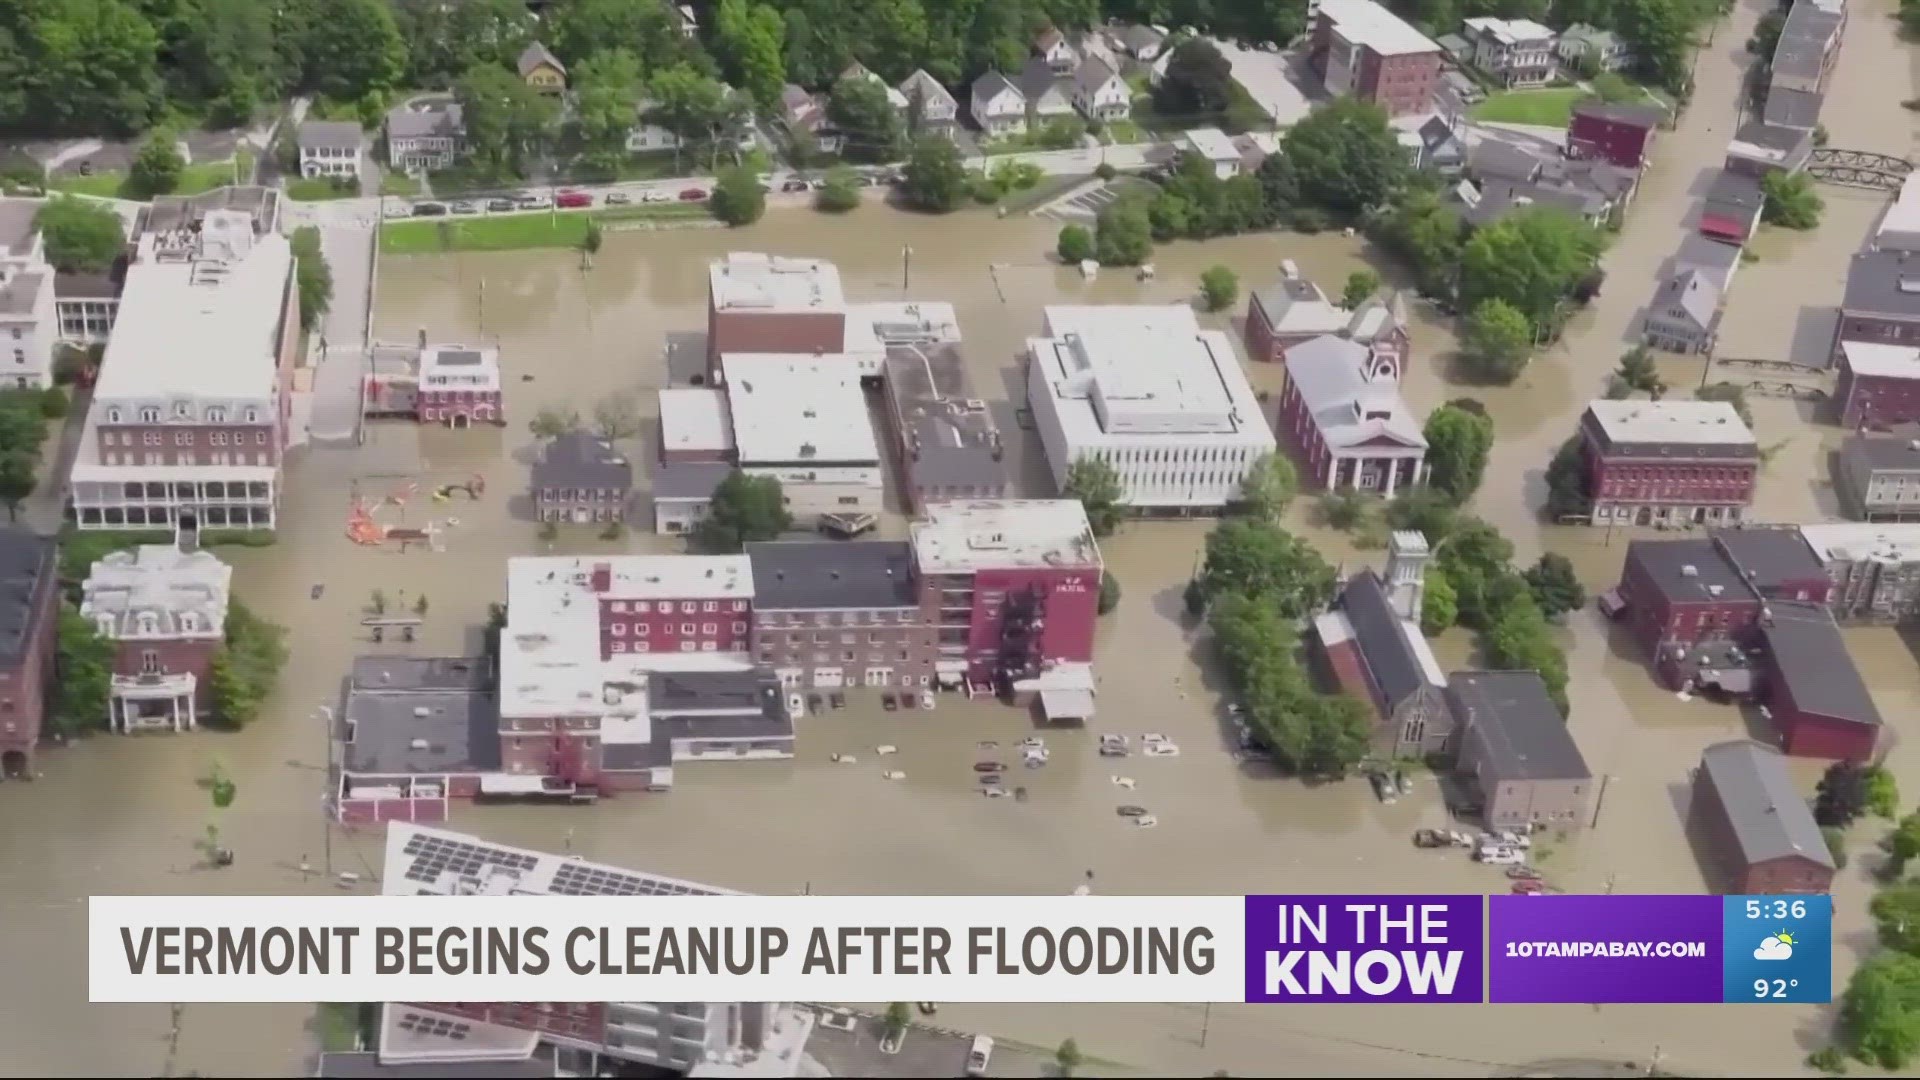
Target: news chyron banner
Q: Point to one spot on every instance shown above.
(1265, 949)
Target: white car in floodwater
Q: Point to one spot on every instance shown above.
(1146, 821)
(1162, 749)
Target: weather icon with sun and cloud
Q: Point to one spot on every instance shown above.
(1778, 946)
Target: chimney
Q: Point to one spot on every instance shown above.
(602, 577)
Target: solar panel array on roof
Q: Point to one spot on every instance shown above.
(585, 879)
(439, 1027)
(434, 856)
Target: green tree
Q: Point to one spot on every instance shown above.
(1638, 371)
(506, 120)
(1344, 509)
(1109, 592)
(156, 168)
(1496, 342)
(1220, 287)
(1075, 244)
(606, 88)
(1661, 35)
(1475, 558)
(1731, 393)
(1258, 558)
(16, 480)
(312, 276)
(1346, 156)
(1520, 639)
(1611, 86)
(1198, 82)
(1532, 259)
(936, 176)
(1122, 235)
(1896, 910)
(749, 40)
(1426, 510)
(899, 1016)
(83, 674)
(738, 198)
(1556, 589)
(1361, 285)
(1425, 232)
(1093, 482)
(841, 191)
(551, 422)
(79, 67)
(579, 28)
(347, 49)
(79, 235)
(445, 40)
(1791, 202)
(1883, 792)
(1905, 845)
(245, 667)
(1458, 443)
(690, 104)
(1567, 482)
(872, 130)
(1439, 607)
(1269, 486)
(745, 508)
(1067, 1058)
(1766, 34)
(1880, 1012)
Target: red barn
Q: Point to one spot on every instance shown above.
(1756, 824)
(1819, 702)
(1614, 132)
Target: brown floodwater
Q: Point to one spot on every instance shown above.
(118, 815)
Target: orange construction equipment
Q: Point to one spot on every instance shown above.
(362, 529)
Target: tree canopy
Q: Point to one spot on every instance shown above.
(79, 234)
(936, 175)
(1531, 259)
(1458, 443)
(1219, 287)
(1255, 558)
(1345, 156)
(1123, 235)
(1880, 1011)
(83, 674)
(1496, 341)
(1198, 82)
(745, 508)
(1270, 484)
(869, 127)
(1555, 587)
(246, 666)
(1093, 482)
(1791, 202)
(738, 198)
(312, 276)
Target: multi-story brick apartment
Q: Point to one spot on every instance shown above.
(773, 304)
(28, 322)
(831, 614)
(1360, 48)
(190, 415)
(946, 439)
(1667, 462)
(760, 1039)
(1616, 132)
(1878, 477)
(164, 606)
(1759, 831)
(1878, 386)
(1881, 304)
(460, 385)
(28, 598)
(581, 477)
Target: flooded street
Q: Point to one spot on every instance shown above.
(118, 815)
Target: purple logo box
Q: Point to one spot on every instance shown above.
(1605, 949)
(1365, 948)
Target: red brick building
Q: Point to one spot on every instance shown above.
(1878, 385)
(28, 581)
(1294, 311)
(1757, 829)
(460, 386)
(1360, 48)
(164, 606)
(1615, 132)
(772, 304)
(1881, 303)
(1667, 462)
(1820, 704)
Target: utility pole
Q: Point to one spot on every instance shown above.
(906, 267)
(1206, 1021)
(326, 822)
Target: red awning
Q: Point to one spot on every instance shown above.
(1725, 228)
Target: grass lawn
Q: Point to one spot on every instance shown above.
(105, 183)
(1549, 107)
(514, 232)
(1121, 131)
(399, 183)
(318, 189)
(194, 179)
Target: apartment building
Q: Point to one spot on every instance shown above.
(164, 606)
(1668, 462)
(1881, 304)
(1144, 389)
(190, 415)
(946, 438)
(830, 614)
(1515, 52)
(1360, 48)
(28, 323)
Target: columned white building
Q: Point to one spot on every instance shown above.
(165, 610)
(1144, 389)
(28, 326)
(1347, 419)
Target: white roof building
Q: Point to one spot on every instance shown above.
(1511, 32)
(1670, 421)
(804, 421)
(694, 421)
(963, 536)
(755, 281)
(1900, 228)
(1863, 542)
(158, 591)
(1364, 22)
(1882, 359)
(1146, 390)
(1213, 145)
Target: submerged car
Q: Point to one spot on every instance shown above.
(988, 767)
(1132, 811)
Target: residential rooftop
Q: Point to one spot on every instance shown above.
(1792, 108)
(409, 715)
(201, 314)
(1769, 558)
(1510, 31)
(1804, 36)
(684, 480)
(813, 575)
(1398, 659)
(793, 409)
(1863, 542)
(1638, 114)
(1900, 226)
(1364, 22)
(963, 536)
(177, 593)
(1770, 817)
(444, 118)
(1525, 736)
(331, 134)
(753, 281)
(1672, 423)
(1212, 144)
(1883, 453)
(579, 459)
(1883, 283)
(695, 419)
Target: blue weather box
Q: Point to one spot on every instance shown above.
(1778, 949)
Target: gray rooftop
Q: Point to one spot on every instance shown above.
(1496, 158)
(1525, 736)
(948, 435)
(1037, 80)
(688, 480)
(1770, 558)
(90, 285)
(332, 134)
(1790, 108)
(1882, 453)
(1803, 40)
(581, 460)
(16, 223)
(460, 729)
(1639, 114)
(1694, 292)
(1381, 636)
(828, 574)
(1882, 283)
(1769, 815)
(1732, 192)
(19, 294)
(1689, 570)
(623, 756)
(445, 118)
(1811, 656)
(26, 561)
(414, 673)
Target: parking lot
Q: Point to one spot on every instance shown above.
(1084, 205)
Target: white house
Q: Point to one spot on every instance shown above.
(1145, 389)
(1518, 52)
(1053, 48)
(1049, 96)
(1580, 40)
(28, 321)
(939, 112)
(425, 135)
(1213, 145)
(998, 106)
(329, 148)
(1100, 93)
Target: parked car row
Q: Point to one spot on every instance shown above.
(563, 199)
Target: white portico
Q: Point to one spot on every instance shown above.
(1352, 427)
(165, 609)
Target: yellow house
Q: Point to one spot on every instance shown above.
(542, 70)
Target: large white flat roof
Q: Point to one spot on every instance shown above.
(974, 534)
(695, 418)
(1364, 22)
(200, 326)
(1212, 144)
(1903, 216)
(798, 409)
(1882, 359)
(754, 281)
(1859, 541)
(1671, 422)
